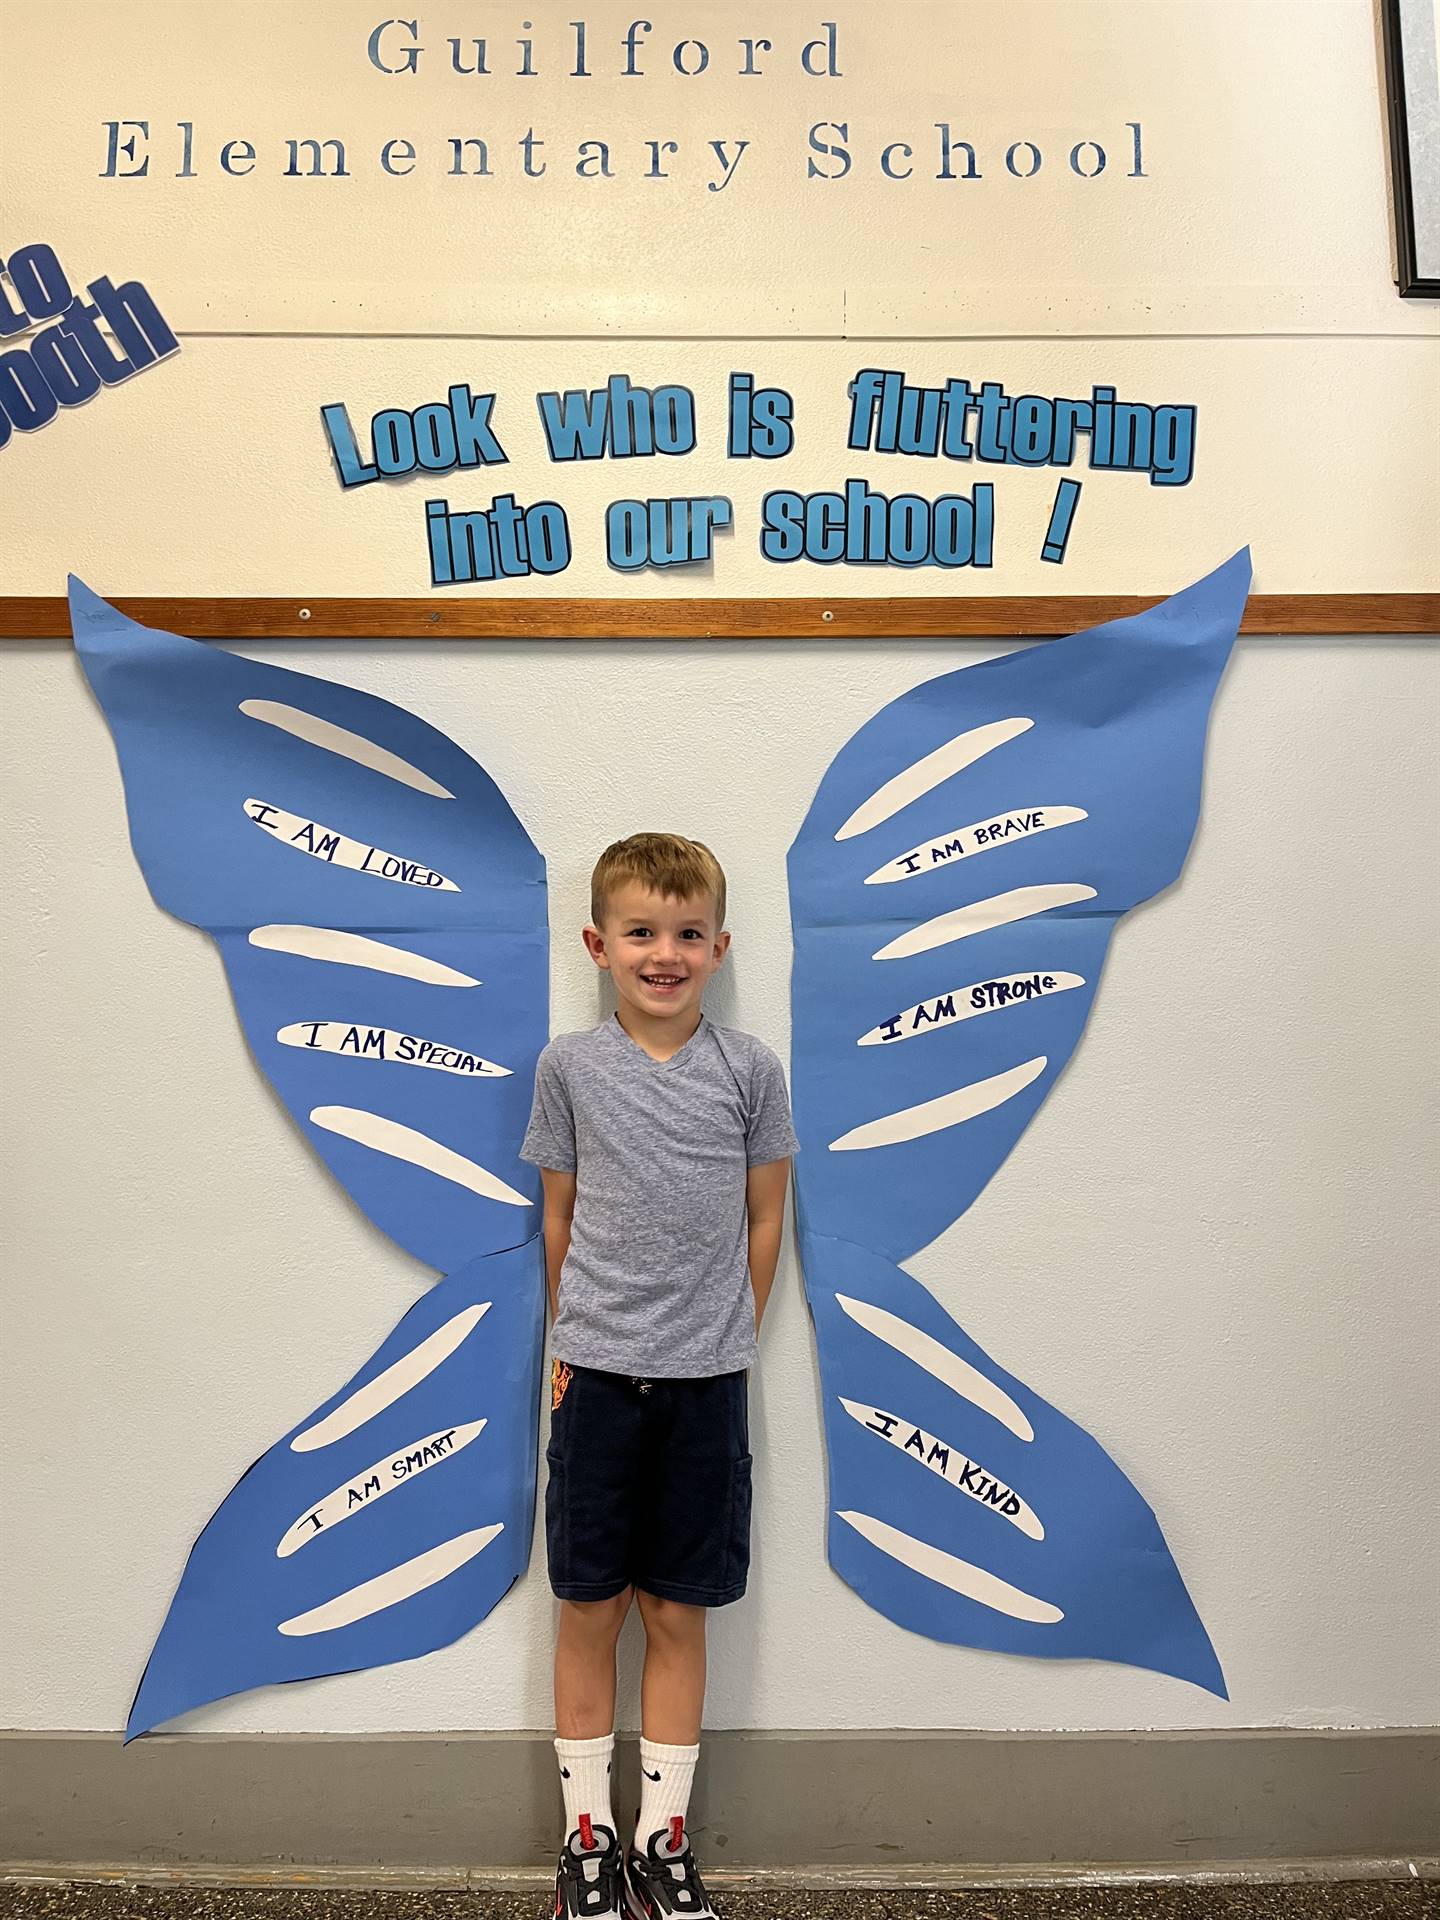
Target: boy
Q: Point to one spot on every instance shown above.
(664, 1145)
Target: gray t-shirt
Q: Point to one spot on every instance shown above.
(656, 1282)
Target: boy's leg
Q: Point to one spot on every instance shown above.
(585, 1710)
(585, 1665)
(672, 1687)
(695, 1556)
(586, 1508)
(672, 1704)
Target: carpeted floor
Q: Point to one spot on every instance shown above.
(1378, 1900)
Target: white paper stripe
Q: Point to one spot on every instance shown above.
(949, 1110)
(999, 830)
(922, 775)
(354, 746)
(981, 915)
(319, 842)
(386, 1388)
(944, 1009)
(353, 1042)
(936, 1359)
(951, 1463)
(948, 1570)
(358, 950)
(363, 1489)
(408, 1143)
(389, 1589)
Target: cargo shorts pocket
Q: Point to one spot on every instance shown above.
(741, 1506)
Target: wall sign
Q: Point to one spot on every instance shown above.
(71, 358)
(328, 169)
(852, 523)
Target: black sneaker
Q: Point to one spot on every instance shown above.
(664, 1878)
(590, 1878)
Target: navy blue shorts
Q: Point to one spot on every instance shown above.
(649, 1486)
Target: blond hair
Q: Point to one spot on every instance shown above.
(666, 863)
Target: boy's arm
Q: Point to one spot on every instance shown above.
(765, 1205)
(559, 1212)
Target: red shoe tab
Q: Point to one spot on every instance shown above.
(587, 1832)
(677, 1831)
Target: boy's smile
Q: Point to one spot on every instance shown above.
(661, 953)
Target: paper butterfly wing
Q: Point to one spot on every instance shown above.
(380, 909)
(993, 1522)
(953, 891)
(388, 1523)
(382, 917)
(925, 934)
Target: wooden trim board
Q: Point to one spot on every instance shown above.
(45, 617)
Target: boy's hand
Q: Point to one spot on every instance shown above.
(765, 1206)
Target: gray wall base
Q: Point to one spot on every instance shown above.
(455, 1805)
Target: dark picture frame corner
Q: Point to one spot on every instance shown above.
(1413, 122)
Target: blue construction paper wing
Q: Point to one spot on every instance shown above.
(387, 1523)
(953, 890)
(382, 918)
(381, 912)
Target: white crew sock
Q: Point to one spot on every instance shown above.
(585, 1782)
(665, 1777)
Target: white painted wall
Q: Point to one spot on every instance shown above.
(1215, 1247)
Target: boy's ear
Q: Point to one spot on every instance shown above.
(722, 946)
(595, 946)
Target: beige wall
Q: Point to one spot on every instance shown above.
(1261, 207)
(1246, 272)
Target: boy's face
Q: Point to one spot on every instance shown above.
(659, 952)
